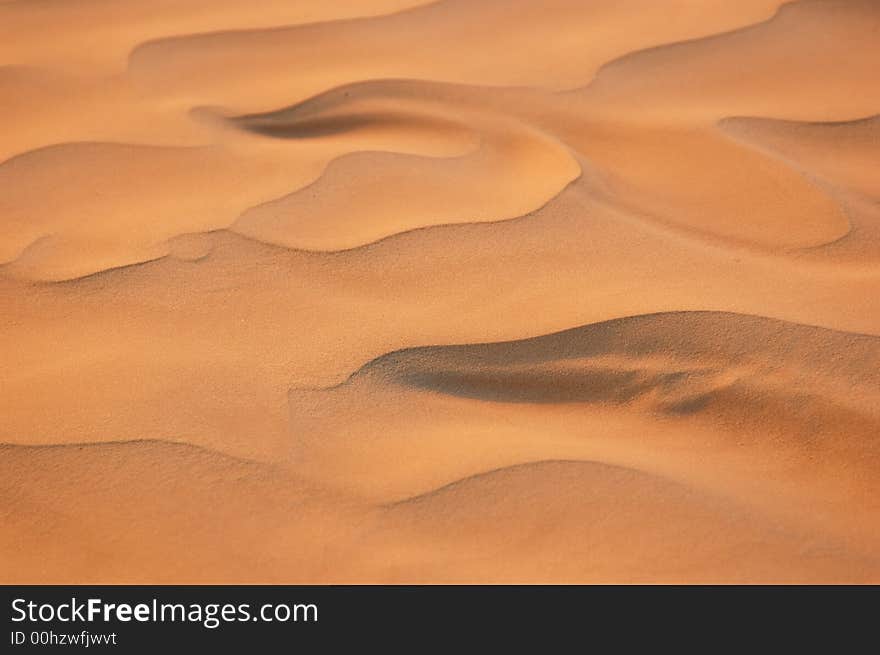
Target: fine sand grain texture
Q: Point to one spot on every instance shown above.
(400, 291)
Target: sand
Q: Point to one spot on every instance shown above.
(389, 291)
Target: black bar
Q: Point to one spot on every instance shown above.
(400, 614)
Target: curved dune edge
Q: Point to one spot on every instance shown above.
(272, 350)
(658, 393)
(729, 528)
(721, 338)
(752, 198)
(800, 62)
(502, 47)
(167, 506)
(66, 232)
(143, 511)
(346, 196)
(365, 197)
(758, 196)
(684, 91)
(513, 515)
(38, 37)
(839, 155)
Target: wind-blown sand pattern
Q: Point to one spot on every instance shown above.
(453, 291)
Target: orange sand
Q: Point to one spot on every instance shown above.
(454, 291)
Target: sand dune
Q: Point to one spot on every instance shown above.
(164, 504)
(841, 158)
(366, 196)
(797, 65)
(454, 291)
(494, 42)
(517, 524)
(544, 521)
(52, 32)
(658, 393)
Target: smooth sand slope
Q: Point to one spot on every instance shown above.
(454, 291)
